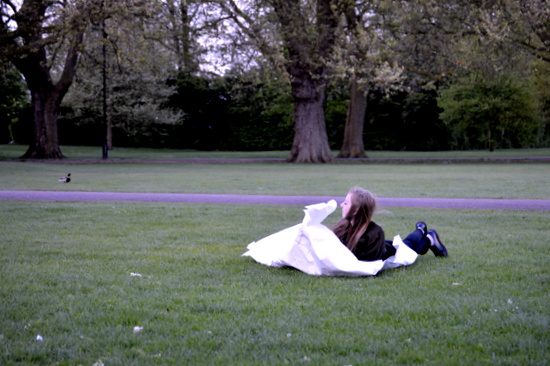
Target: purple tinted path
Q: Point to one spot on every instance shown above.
(440, 203)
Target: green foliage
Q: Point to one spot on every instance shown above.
(14, 101)
(260, 113)
(541, 76)
(135, 108)
(492, 113)
(335, 117)
(204, 108)
(404, 121)
(244, 112)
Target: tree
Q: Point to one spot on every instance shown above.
(303, 43)
(44, 40)
(357, 43)
(180, 25)
(124, 48)
(391, 46)
(353, 145)
(492, 113)
(13, 100)
(308, 52)
(34, 36)
(537, 15)
(259, 113)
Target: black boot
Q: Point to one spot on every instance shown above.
(421, 225)
(437, 246)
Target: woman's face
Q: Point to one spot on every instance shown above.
(346, 206)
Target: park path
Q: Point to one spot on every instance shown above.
(439, 203)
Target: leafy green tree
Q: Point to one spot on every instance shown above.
(401, 48)
(259, 114)
(42, 39)
(527, 25)
(13, 100)
(541, 76)
(121, 84)
(491, 113)
(487, 43)
(204, 108)
(299, 37)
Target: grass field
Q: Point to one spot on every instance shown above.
(82, 275)
(91, 152)
(386, 180)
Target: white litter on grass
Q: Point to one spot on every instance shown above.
(39, 338)
(137, 329)
(135, 274)
(99, 363)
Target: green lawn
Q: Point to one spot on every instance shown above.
(386, 180)
(66, 271)
(91, 152)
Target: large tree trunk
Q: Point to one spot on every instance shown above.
(46, 98)
(353, 146)
(44, 140)
(308, 49)
(310, 143)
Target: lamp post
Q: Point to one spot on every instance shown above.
(104, 81)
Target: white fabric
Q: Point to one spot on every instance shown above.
(314, 249)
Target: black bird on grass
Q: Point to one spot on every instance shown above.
(66, 179)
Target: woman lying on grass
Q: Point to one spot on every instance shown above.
(356, 246)
(366, 240)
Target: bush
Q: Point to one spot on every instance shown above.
(489, 114)
(245, 112)
(404, 121)
(14, 103)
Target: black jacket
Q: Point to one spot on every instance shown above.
(373, 246)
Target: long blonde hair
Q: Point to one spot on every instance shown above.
(350, 229)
